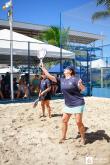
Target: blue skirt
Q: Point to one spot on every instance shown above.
(73, 110)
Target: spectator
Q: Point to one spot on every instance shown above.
(7, 85)
(35, 84)
(22, 89)
(3, 85)
(15, 87)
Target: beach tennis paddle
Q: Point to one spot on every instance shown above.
(38, 99)
(36, 102)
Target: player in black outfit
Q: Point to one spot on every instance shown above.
(45, 94)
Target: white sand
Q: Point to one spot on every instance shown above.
(26, 139)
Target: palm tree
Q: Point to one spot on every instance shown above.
(52, 36)
(104, 13)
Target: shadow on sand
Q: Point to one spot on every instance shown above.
(98, 135)
(91, 137)
(56, 115)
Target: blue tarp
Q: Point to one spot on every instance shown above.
(56, 69)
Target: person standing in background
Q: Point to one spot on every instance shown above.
(45, 94)
(35, 84)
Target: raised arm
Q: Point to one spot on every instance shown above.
(49, 76)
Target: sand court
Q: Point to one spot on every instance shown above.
(28, 139)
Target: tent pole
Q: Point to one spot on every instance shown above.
(102, 84)
(29, 68)
(80, 69)
(60, 48)
(11, 47)
(88, 88)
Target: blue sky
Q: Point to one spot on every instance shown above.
(39, 11)
(76, 14)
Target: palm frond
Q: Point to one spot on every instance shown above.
(104, 2)
(101, 14)
(101, 2)
(52, 36)
(65, 36)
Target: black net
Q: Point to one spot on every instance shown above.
(89, 40)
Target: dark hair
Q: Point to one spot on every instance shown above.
(73, 72)
(71, 68)
(3, 76)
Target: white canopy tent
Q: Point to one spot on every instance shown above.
(8, 69)
(22, 44)
(99, 63)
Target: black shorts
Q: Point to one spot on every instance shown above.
(47, 97)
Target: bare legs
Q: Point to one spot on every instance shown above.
(79, 123)
(1, 94)
(43, 107)
(25, 92)
(81, 127)
(65, 120)
(46, 103)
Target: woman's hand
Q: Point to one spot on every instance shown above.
(81, 86)
(49, 76)
(41, 94)
(79, 82)
(42, 65)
